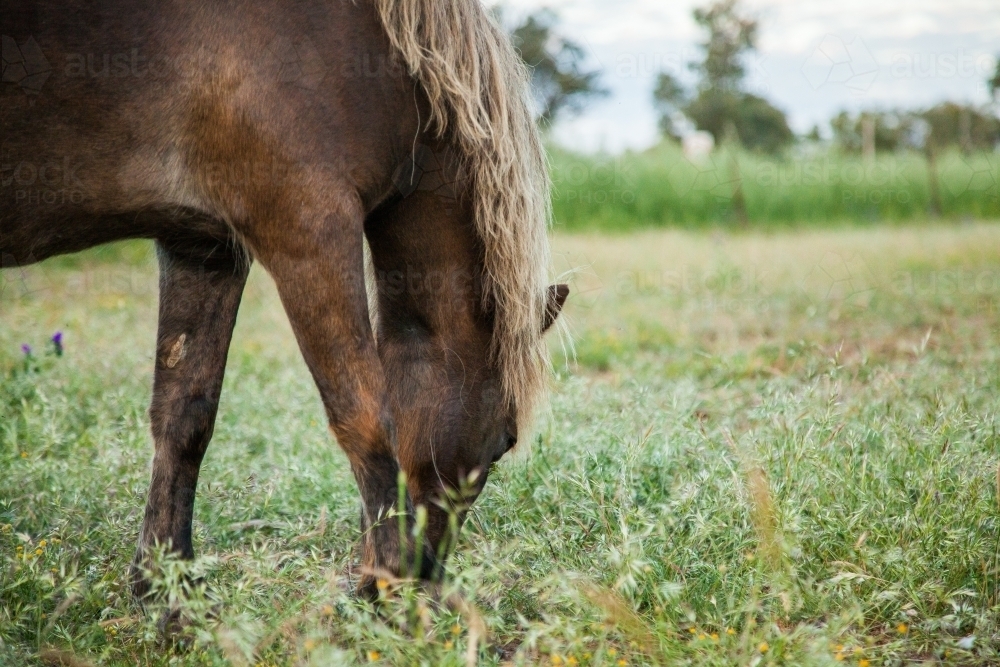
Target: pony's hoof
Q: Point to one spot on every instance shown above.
(367, 589)
(171, 628)
(138, 584)
(171, 624)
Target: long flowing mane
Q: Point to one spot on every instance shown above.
(478, 92)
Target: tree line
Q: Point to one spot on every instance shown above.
(720, 104)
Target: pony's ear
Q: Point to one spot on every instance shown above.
(556, 299)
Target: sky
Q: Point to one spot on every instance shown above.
(814, 58)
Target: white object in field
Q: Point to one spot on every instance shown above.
(697, 145)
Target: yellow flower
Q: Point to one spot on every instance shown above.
(571, 661)
(556, 660)
(310, 644)
(43, 544)
(448, 644)
(839, 657)
(692, 630)
(38, 552)
(456, 629)
(373, 656)
(864, 663)
(622, 663)
(586, 655)
(903, 628)
(730, 631)
(857, 650)
(701, 637)
(612, 652)
(24, 455)
(382, 584)
(715, 636)
(763, 647)
(327, 610)
(56, 540)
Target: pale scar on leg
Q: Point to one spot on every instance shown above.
(177, 351)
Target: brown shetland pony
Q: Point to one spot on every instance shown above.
(289, 132)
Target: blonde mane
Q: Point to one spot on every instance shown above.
(478, 91)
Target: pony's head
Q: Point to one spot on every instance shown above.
(457, 404)
(462, 256)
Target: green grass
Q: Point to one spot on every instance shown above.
(660, 188)
(772, 449)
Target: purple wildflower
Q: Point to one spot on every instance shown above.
(57, 342)
(26, 349)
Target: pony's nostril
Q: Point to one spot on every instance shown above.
(507, 442)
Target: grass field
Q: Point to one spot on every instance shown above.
(809, 186)
(771, 449)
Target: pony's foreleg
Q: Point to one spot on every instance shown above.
(318, 269)
(200, 288)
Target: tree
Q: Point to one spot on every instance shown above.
(719, 104)
(669, 98)
(930, 131)
(559, 82)
(994, 83)
(730, 36)
(964, 126)
(894, 130)
(943, 126)
(758, 125)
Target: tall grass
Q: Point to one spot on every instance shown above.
(773, 449)
(810, 186)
